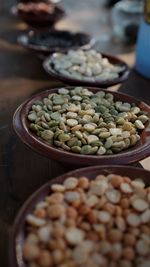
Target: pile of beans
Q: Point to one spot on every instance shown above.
(104, 222)
(87, 65)
(84, 122)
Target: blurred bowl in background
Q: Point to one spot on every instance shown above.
(45, 15)
(47, 42)
(123, 74)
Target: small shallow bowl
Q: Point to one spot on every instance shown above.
(21, 126)
(18, 232)
(26, 40)
(39, 20)
(123, 75)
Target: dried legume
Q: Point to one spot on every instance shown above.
(81, 65)
(101, 221)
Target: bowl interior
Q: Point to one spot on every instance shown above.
(18, 233)
(133, 154)
(123, 75)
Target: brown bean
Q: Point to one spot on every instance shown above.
(44, 259)
(128, 253)
(116, 180)
(41, 213)
(92, 216)
(55, 211)
(84, 209)
(30, 251)
(71, 212)
(129, 239)
(115, 235)
(83, 182)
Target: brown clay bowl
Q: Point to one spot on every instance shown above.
(40, 20)
(18, 232)
(21, 126)
(123, 75)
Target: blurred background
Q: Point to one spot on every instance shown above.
(114, 21)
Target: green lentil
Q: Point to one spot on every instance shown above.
(44, 125)
(56, 108)
(63, 127)
(34, 127)
(101, 150)
(47, 135)
(104, 135)
(32, 116)
(63, 137)
(56, 116)
(92, 138)
(79, 134)
(40, 113)
(76, 149)
(108, 143)
(86, 150)
(57, 100)
(43, 118)
(65, 147)
(72, 142)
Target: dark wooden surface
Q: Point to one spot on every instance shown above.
(22, 171)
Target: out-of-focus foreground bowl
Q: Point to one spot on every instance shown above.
(17, 236)
(133, 154)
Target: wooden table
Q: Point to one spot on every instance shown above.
(22, 171)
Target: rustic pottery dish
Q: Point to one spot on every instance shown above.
(51, 41)
(40, 20)
(130, 155)
(123, 75)
(18, 234)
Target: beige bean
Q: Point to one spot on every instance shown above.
(115, 235)
(74, 236)
(104, 216)
(139, 204)
(126, 188)
(71, 183)
(44, 259)
(30, 251)
(142, 248)
(58, 188)
(113, 196)
(133, 219)
(55, 211)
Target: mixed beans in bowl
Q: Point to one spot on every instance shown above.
(96, 216)
(89, 125)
